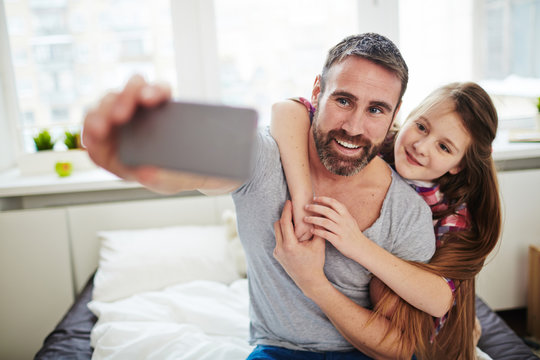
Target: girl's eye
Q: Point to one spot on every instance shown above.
(444, 148)
(421, 127)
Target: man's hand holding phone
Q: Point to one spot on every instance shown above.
(102, 124)
(140, 135)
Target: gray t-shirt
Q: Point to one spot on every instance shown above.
(280, 313)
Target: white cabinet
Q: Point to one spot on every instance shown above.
(35, 279)
(503, 281)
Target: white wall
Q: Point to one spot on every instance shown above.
(437, 42)
(381, 17)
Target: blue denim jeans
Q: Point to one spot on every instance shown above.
(275, 353)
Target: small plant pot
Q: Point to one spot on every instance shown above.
(44, 162)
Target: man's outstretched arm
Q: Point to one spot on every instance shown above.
(100, 137)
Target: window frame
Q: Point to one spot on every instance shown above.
(9, 106)
(196, 19)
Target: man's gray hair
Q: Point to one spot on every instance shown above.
(373, 47)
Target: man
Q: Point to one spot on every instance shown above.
(357, 96)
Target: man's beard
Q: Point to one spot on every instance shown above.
(339, 164)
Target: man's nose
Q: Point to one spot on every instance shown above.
(355, 124)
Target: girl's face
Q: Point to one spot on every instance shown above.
(431, 145)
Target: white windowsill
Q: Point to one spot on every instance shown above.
(505, 150)
(12, 183)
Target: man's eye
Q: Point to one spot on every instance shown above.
(343, 101)
(375, 110)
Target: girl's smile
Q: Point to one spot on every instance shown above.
(431, 144)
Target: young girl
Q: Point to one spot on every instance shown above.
(444, 147)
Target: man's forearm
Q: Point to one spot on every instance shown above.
(350, 319)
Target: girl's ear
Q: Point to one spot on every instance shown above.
(316, 91)
(455, 169)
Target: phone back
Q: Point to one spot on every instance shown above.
(213, 140)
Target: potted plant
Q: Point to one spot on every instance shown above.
(47, 159)
(43, 141)
(73, 140)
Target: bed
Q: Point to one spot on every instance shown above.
(180, 292)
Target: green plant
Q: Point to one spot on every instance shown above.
(43, 141)
(72, 140)
(538, 104)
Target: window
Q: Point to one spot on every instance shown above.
(510, 58)
(512, 39)
(492, 42)
(67, 54)
(272, 50)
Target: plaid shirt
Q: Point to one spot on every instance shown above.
(457, 221)
(460, 220)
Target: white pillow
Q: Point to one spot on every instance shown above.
(133, 261)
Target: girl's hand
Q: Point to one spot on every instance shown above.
(303, 261)
(302, 230)
(334, 223)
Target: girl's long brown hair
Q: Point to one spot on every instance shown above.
(462, 253)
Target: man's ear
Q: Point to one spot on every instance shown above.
(393, 125)
(394, 117)
(316, 91)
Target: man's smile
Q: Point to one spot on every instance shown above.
(346, 144)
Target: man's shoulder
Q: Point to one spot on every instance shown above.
(399, 184)
(266, 162)
(264, 139)
(403, 194)
(266, 147)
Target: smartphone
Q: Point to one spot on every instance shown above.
(199, 138)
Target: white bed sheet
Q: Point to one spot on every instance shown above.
(198, 320)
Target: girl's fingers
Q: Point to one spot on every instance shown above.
(319, 233)
(325, 223)
(330, 202)
(324, 211)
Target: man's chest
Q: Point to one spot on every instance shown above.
(364, 204)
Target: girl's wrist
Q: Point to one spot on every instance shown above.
(304, 196)
(317, 288)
